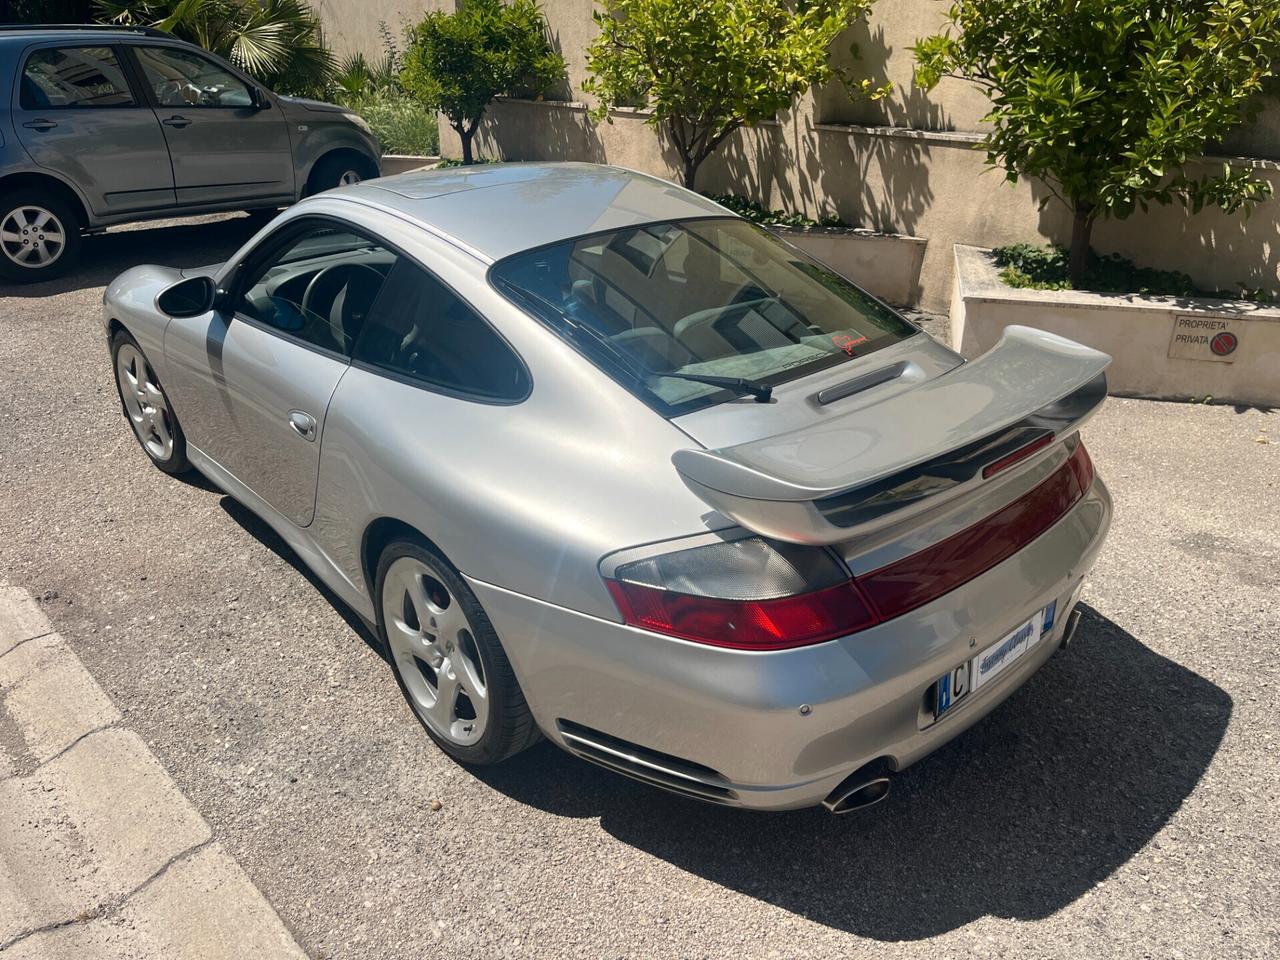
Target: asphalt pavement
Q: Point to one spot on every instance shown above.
(1124, 803)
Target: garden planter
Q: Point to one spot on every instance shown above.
(1175, 348)
(886, 264)
(393, 163)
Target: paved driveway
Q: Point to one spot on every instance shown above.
(1123, 803)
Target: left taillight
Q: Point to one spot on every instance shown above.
(748, 594)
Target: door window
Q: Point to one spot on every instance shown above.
(181, 78)
(318, 285)
(74, 77)
(423, 331)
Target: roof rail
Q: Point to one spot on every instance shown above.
(116, 27)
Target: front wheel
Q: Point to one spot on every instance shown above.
(39, 236)
(342, 170)
(447, 658)
(147, 406)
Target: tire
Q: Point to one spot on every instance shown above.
(27, 243)
(147, 407)
(339, 170)
(439, 640)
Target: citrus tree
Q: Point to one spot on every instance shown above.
(277, 41)
(1106, 101)
(458, 62)
(707, 67)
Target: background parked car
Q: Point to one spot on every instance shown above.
(105, 125)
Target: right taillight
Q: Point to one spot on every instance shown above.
(758, 594)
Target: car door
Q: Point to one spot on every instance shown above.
(227, 138)
(76, 114)
(252, 382)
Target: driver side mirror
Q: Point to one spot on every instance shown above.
(191, 297)
(258, 98)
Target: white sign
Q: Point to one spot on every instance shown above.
(1204, 338)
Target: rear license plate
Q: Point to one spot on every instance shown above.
(976, 673)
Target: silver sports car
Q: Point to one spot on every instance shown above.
(602, 462)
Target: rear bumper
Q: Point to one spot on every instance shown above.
(732, 726)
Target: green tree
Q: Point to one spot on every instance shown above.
(1106, 101)
(707, 67)
(277, 41)
(458, 62)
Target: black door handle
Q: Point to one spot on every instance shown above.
(39, 124)
(176, 121)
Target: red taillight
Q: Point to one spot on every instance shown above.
(745, 624)
(768, 607)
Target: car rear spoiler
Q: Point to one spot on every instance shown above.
(854, 473)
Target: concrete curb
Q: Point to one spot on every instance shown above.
(101, 855)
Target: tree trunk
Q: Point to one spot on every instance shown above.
(690, 172)
(466, 134)
(1081, 233)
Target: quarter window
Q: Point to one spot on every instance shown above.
(318, 286)
(74, 77)
(180, 78)
(423, 331)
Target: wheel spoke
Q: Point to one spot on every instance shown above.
(469, 678)
(160, 428)
(443, 711)
(10, 236)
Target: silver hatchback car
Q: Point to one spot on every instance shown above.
(602, 461)
(103, 125)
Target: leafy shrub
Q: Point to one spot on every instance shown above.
(458, 62)
(1027, 266)
(403, 124)
(759, 213)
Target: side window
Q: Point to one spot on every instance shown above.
(74, 77)
(318, 285)
(423, 331)
(181, 78)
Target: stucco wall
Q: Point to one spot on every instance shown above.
(920, 176)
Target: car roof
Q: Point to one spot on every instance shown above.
(77, 31)
(495, 210)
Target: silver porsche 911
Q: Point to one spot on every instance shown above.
(602, 462)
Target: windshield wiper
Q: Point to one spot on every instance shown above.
(756, 388)
(762, 392)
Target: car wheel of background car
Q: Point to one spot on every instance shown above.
(447, 658)
(341, 170)
(147, 406)
(39, 236)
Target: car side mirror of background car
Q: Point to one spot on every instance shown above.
(258, 98)
(190, 297)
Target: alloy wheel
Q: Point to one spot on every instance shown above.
(32, 236)
(435, 651)
(145, 402)
(349, 177)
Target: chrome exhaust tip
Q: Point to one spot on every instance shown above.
(1073, 621)
(864, 788)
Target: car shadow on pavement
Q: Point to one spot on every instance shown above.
(260, 530)
(1016, 818)
(175, 243)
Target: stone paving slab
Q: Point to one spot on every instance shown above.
(101, 855)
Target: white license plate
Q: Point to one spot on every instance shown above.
(976, 673)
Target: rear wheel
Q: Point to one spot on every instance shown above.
(147, 406)
(39, 236)
(447, 658)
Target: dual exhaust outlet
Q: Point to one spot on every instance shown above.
(870, 784)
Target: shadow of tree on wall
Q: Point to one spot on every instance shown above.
(523, 131)
(907, 105)
(1017, 818)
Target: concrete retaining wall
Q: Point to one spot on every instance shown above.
(887, 265)
(1162, 347)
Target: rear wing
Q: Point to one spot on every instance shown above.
(856, 473)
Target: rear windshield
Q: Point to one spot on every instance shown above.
(715, 297)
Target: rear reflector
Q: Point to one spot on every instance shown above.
(915, 580)
(644, 596)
